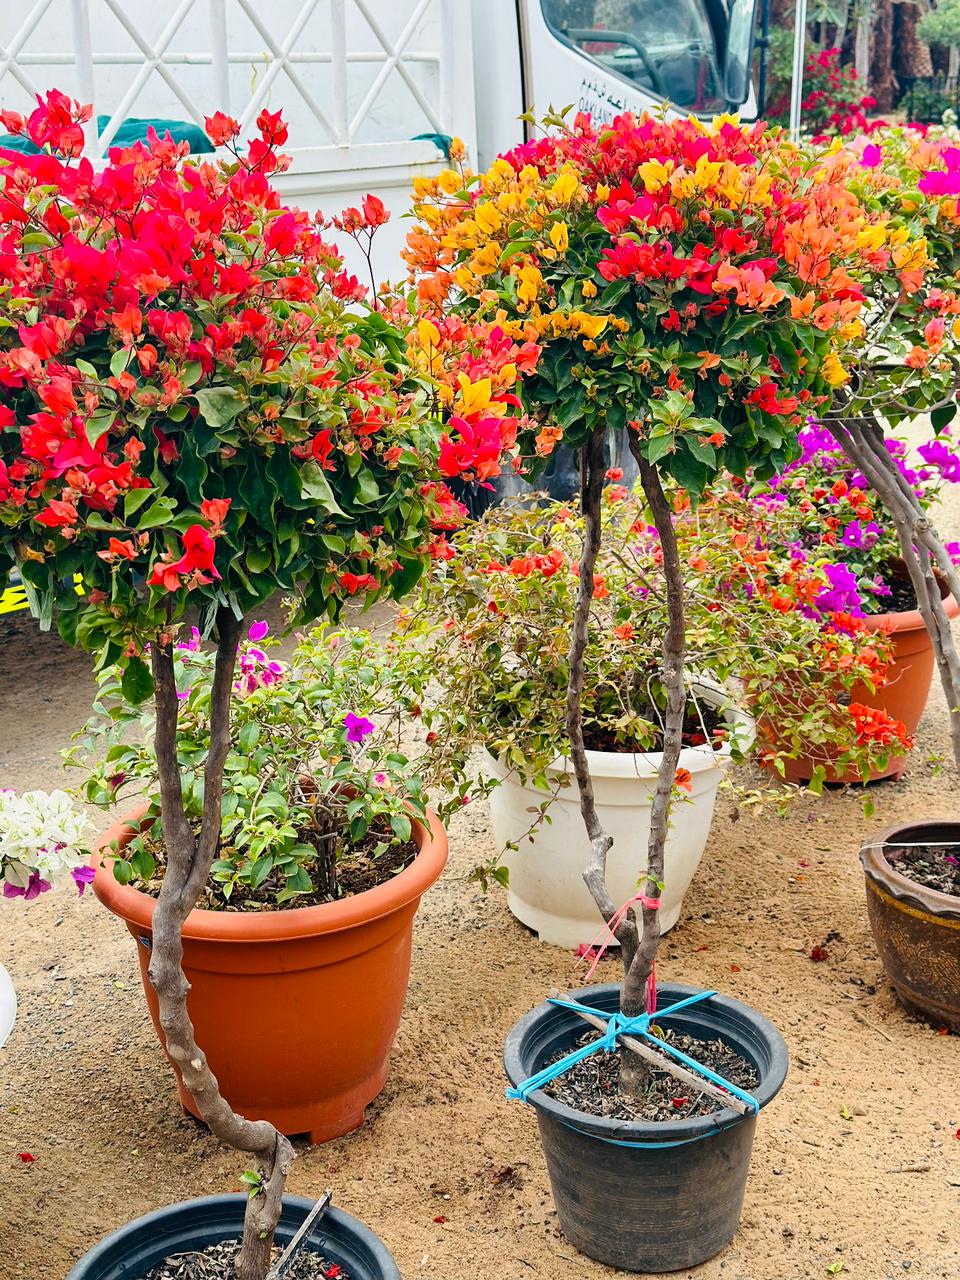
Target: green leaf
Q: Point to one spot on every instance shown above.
(219, 405)
(314, 484)
(98, 424)
(368, 491)
(119, 361)
(136, 681)
(122, 871)
(144, 864)
(942, 416)
(134, 501)
(159, 514)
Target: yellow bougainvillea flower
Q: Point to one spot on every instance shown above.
(530, 282)
(488, 217)
(591, 326)
(654, 175)
(833, 371)
(560, 237)
(565, 187)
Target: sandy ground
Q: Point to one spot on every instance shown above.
(447, 1171)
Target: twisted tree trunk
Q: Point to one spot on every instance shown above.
(188, 865)
(862, 440)
(638, 948)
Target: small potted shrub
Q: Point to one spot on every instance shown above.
(500, 610)
(912, 875)
(326, 846)
(670, 271)
(829, 517)
(198, 411)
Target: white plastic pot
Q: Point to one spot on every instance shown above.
(546, 889)
(8, 1005)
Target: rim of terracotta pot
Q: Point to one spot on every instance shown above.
(876, 864)
(911, 619)
(646, 764)
(295, 922)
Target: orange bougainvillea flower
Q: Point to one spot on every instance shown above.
(683, 780)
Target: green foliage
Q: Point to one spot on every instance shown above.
(296, 784)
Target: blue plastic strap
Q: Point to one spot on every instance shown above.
(617, 1025)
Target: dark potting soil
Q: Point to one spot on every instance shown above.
(934, 866)
(357, 870)
(216, 1262)
(701, 722)
(902, 598)
(593, 1085)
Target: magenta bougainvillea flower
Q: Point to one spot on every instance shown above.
(358, 727)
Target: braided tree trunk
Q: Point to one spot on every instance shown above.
(638, 945)
(862, 440)
(188, 865)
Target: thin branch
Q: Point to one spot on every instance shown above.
(592, 469)
(674, 651)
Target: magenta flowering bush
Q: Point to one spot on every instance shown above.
(317, 768)
(833, 519)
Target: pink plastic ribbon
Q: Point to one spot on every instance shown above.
(608, 934)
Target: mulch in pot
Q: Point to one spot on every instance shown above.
(934, 866)
(217, 1262)
(593, 1085)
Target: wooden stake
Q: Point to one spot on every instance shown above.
(295, 1245)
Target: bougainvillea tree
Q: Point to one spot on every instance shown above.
(197, 411)
(910, 361)
(693, 286)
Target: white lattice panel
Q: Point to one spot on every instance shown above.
(352, 76)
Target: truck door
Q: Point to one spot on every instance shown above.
(608, 56)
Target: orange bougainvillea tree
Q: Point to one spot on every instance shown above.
(696, 287)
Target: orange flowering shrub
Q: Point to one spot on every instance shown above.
(695, 283)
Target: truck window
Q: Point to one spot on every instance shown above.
(664, 47)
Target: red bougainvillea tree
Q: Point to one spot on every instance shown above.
(196, 411)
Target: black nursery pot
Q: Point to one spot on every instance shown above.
(128, 1254)
(675, 1201)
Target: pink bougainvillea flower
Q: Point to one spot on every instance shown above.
(82, 876)
(358, 727)
(872, 156)
(33, 888)
(258, 630)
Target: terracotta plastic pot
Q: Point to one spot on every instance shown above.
(648, 1195)
(905, 694)
(128, 1254)
(296, 1010)
(917, 930)
(546, 889)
